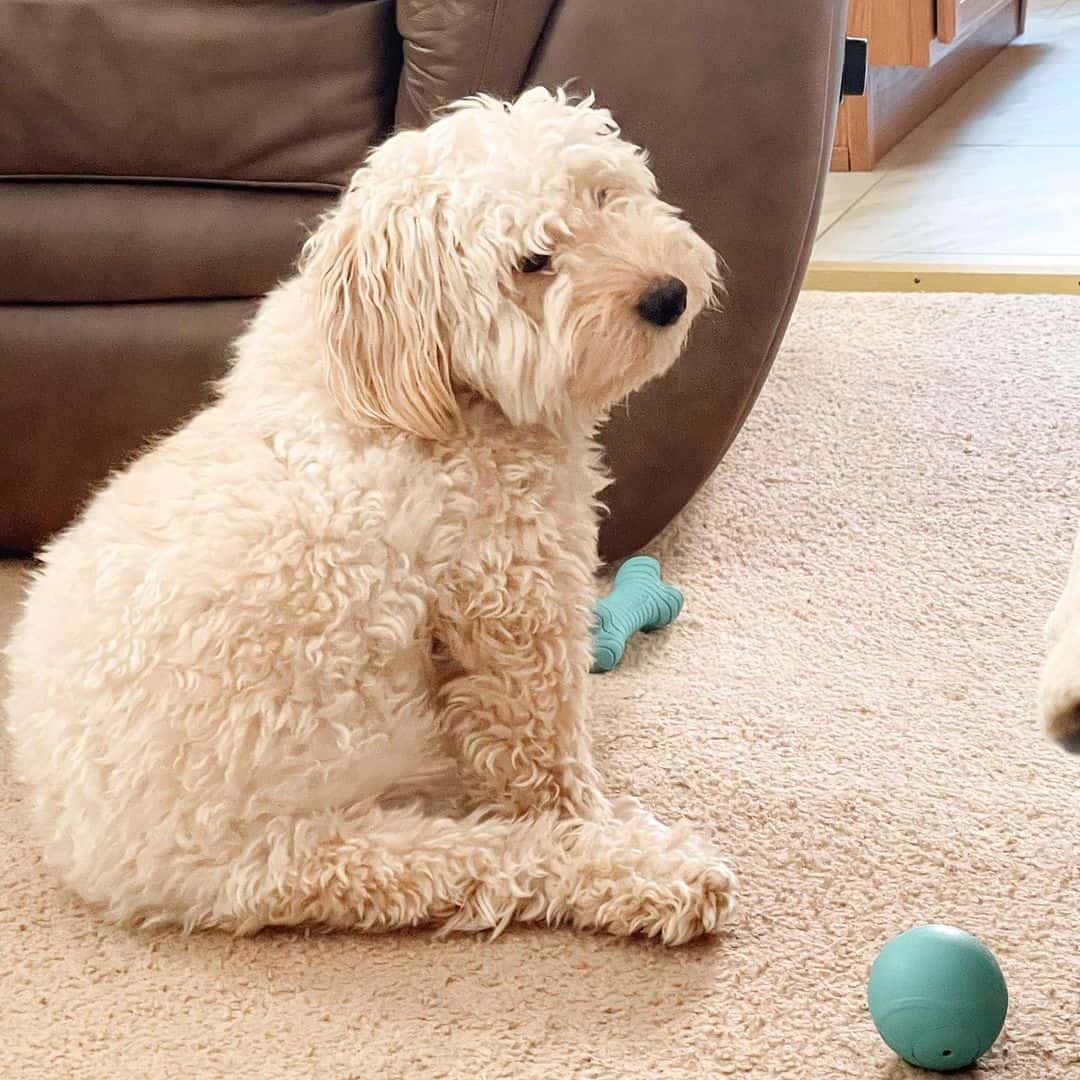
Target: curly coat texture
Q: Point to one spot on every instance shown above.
(320, 655)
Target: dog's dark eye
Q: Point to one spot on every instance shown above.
(532, 264)
(601, 197)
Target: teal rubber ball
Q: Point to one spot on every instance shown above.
(937, 997)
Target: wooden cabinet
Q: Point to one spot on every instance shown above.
(899, 31)
(956, 17)
(920, 52)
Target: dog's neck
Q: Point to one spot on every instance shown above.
(569, 448)
(482, 418)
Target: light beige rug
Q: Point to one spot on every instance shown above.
(847, 706)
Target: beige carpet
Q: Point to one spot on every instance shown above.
(847, 705)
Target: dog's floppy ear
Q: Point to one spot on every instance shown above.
(376, 270)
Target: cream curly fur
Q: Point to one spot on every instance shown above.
(1059, 689)
(320, 656)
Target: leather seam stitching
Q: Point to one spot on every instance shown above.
(494, 38)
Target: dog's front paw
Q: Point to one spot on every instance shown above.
(702, 904)
(695, 901)
(640, 877)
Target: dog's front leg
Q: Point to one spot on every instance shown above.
(518, 713)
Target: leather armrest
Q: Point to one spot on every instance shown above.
(737, 106)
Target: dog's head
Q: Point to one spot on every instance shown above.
(512, 250)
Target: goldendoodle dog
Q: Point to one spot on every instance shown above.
(320, 656)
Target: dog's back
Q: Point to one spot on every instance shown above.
(231, 631)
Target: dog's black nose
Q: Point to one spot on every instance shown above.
(663, 304)
(1071, 740)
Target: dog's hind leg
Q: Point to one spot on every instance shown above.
(383, 869)
(390, 868)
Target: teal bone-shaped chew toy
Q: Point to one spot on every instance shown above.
(639, 600)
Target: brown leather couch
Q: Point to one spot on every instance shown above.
(160, 161)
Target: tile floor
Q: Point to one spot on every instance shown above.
(990, 181)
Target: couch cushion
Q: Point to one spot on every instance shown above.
(85, 386)
(274, 91)
(90, 241)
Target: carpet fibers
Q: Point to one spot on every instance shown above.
(846, 706)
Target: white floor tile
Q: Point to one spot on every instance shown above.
(1058, 31)
(967, 199)
(992, 179)
(842, 191)
(1019, 99)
